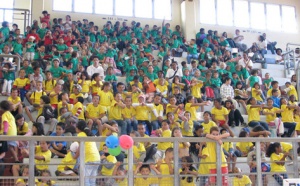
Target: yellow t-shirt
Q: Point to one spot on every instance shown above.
(75, 108)
(90, 150)
(170, 109)
(106, 98)
(159, 108)
(47, 156)
(297, 120)
(54, 99)
(203, 166)
(245, 180)
(207, 126)
(211, 147)
(115, 111)
(14, 101)
(270, 118)
(36, 96)
(60, 105)
(244, 146)
(162, 88)
(287, 114)
(174, 85)
(148, 181)
(274, 166)
(95, 112)
(219, 113)
(21, 82)
(156, 82)
(85, 85)
(12, 127)
(143, 112)
(165, 145)
(123, 182)
(191, 128)
(68, 161)
(183, 180)
(95, 88)
(196, 90)
(293, 91)
(140, 85)
(128, 113)
(269, 93)
(23, 130)
(192, 110)
(44, 184)
(255, 95)
(49, 85)
(135, 97)
(253, 114)
(73, 96)
(286, 147)
(138, 150)
(108, 172)
(164, 170)
(227, 146)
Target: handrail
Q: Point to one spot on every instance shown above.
(293, 44)
(297, 72)
(174, 140)
(287, 62)
(13, 56)
(27, 16)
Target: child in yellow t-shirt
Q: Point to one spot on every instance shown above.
(141, 130)
(291, 90)
(15, 101)
(85, 82)
(204, 160)
(139, 151)
(165, 167)
(135, 92)
(49, 83)
(106, 96)
(120, 171)
(22, 84)
(107, 163)
(66, 167)
(211, 147)
(45, 181)
(96, 83)
(22, 125)
(78, 110)
(76, 92)
(257, 93)
(145, 170)
(277, 158)
(240, 179)
(42, 156)
(243, 148)
(187, 125)
(297, 120)
(128, 114)
(207, 123)
(162, 87)
(188, 169)
(164, 132)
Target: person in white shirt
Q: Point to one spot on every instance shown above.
(172, 72)
(246, 62)
(261, 45)
(68, 23)
(95, 68)
(227, 92)
(237, 38)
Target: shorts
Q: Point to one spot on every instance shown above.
(12, 143)
(212, 179)
(221, 123)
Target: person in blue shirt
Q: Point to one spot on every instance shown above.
(276, 99)
(59, 148)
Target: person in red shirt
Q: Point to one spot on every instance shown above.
(34, 34)
(45, 19)
(68, 38)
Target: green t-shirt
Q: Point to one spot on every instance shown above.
(111, 53)
(5, 32)
(92, 37)
(175, 44)
(110, 78)
(84, 61)
(61, 47)
(129, 79)
(9, 75)
(102, 38)
(41, 32)
(56, 72)
(75, 64)
(148, 48)
(31, 48)
(156, 69)
(188, 78)
(124, 38)
(192, 50)
(129, 68)
(216, 82)
(28, 70)
(18, 48)
(253, 80)
(151, 76)
(268, 81)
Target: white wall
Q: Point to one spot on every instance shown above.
(281, 37)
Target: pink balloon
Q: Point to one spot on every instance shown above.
(126, 142)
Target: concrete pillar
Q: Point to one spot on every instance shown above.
(188, 19)
(37, 6)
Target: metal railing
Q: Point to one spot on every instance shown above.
(18, 11)
(130, 176)
(287, 62)
(14, 56)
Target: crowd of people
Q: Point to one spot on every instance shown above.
(69, 76)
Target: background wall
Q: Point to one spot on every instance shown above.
(184, 13)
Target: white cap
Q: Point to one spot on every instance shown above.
(74, 146)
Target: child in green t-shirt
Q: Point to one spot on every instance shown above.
(30, 48)
(110, 77)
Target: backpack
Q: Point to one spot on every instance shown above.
(47, 112)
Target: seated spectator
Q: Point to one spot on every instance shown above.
(237, 38)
